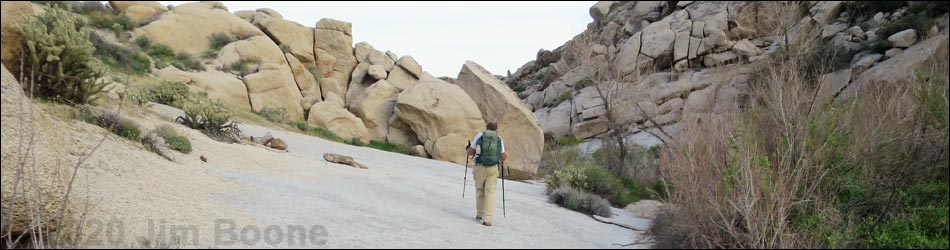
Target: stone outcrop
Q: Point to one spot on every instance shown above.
(188, 27)
(333, 52)
(517, 125)
(442, 115)
(49, 167)
(331, 115)
(14, 13)
(219, 85)
(272, 85)
(375, 106)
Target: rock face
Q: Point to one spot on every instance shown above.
(600, 9)
(272, 85)
(51, 166)
(189, 27)
(375, 107)
(331, 115)
(296, 37)
(442, 115)
(903, 39)
(14, 13)
(333, 50)
(517, 125)
(138, 10)
(218, 85)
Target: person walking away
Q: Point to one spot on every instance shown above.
(491, 152)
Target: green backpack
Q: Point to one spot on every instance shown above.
(490, 145)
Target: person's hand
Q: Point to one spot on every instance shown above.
(504, 156)
(470, 151)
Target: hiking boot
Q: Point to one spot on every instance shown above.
(486, 224)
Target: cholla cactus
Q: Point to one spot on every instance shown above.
(58, 58)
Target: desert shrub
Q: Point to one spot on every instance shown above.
(169, 93)
(386, 146)
(824, 57)
(284, 48)
(59, 59)
(580, 201)
(562, 98)
(161, 51)
(326, 134)
(356, 142)
(167, 56)
(917, 21)
(120, 126)
(119, 57)
(110, 22)
(218, 41)
(590, 177)
(789, 172)
(211, 118)
(278, 115)
(143, 42)
(245, 66)
(869, 8)
(174, 139)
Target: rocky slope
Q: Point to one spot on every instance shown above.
(315, 74)
(692, 61)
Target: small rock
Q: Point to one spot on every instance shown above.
(903, 39)
(856, 32)
(203, 158)
(746, 48)
(865, 63)
(892, 52)
(418, 151)
(833, 29)
(377, 72)
(277, 143)
(342, 159)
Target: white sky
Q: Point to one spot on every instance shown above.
(500, 36)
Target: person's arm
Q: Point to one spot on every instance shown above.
(503, 154)
(471, 147)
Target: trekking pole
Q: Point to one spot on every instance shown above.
(466, 169)
(503, 210)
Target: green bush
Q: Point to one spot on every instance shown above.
(356, 142)
(161, 52)
(580, 201)
(824, 57)
(326, 134)
(245, 66)
(218, 41)
(869, 8)
(386, 146)
(562, 98)
(925, 224)
(174, 139)
(143, 42)
(119, 57)
(590, 177)
(211, 118)
(59, 57)
(110, 22)
(120, 126)
(169, 93)
(278, 115)
(167, 56)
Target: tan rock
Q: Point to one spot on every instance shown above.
(342, 159)
(375, 107)
(295, 36)
(377, 72)
(219, 85)
(418, 151)
(333, 47)
(52, 161)
(277, 143)
(122, 6)
(306, 82)
(401, 133)
(401, 78)
(330, 115)
(273, 85)
(14, 13)
(410, 65)
(189, 27)
(517, 125)
(359, 80)
(140, 13)
(442, 116)
(903, 39)
(600, 9)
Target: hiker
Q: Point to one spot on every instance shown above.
(492, 152)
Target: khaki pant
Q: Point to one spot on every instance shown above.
(485, 179)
